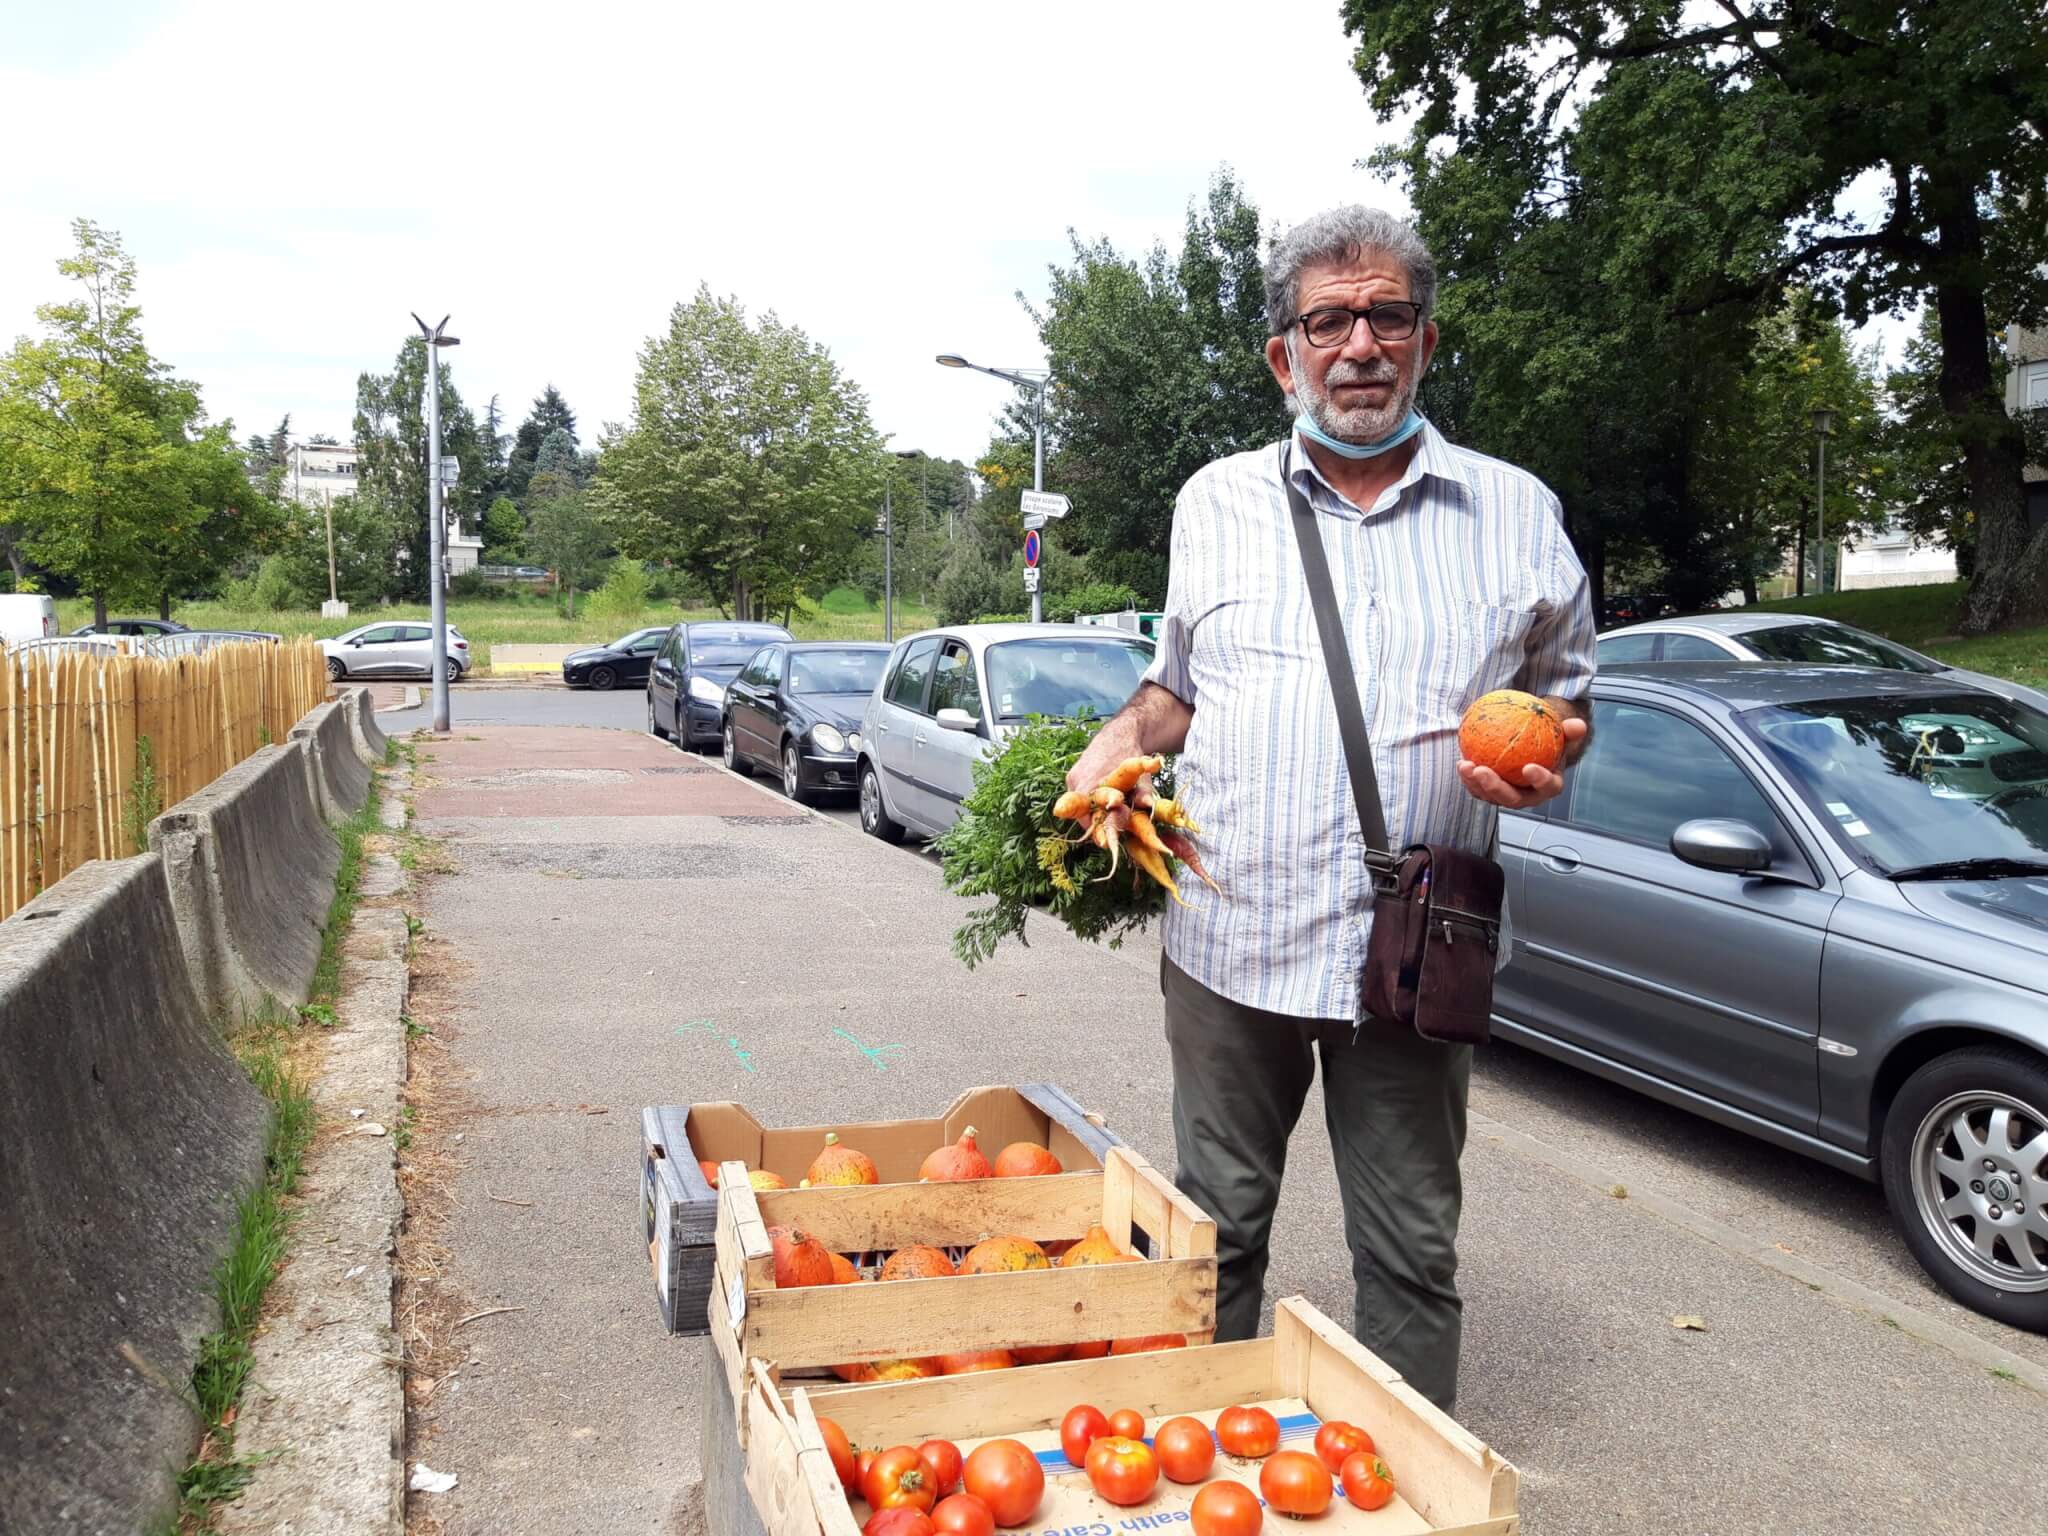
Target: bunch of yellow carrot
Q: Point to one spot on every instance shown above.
(1123, 815)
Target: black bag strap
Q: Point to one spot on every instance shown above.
(1322, 596)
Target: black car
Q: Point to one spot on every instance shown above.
(626, 660)
(686, 686)
(797, 708)
(131, 627)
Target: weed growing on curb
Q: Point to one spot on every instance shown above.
(145, 798)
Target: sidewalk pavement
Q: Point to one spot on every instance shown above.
(610, 896)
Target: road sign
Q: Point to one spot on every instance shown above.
(1030, 578)
(1031, 547)
(1051, 503)
(1034, 520)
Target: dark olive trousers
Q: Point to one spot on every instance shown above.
(1395, 1105)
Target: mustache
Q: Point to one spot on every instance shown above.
(1360, 373)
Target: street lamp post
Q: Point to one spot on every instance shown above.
(436, 532)
(1823, 428)
(889, 551)
(1022, 378)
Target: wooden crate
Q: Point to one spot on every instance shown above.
(680, 1210)
(820, 1326)
(1446, 1481)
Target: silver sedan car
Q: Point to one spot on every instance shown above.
(1811, 903)
(950, 697)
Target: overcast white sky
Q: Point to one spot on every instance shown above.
(886, 175)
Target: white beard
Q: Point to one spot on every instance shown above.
(1361, 424)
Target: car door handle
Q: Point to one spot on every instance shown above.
(1560, 859)
(917, 740)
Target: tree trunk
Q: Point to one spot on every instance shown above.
(99, 610)
(742, 601)
(163, 606)
(1799, 565)
(2009, 584)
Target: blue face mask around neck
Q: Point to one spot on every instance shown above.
(1315, 434)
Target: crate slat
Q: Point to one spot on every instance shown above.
(860, 1218)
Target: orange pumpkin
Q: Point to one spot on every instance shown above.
(1025, 1160)
(1000, 1255)
(800, 1259)
(839, 1164)
(761, 1178)
(917, 1262)
(1095, 1248)
(1507, 730)
(976, 1360)
(962, 1160)
(843, 1272)
(887, 1370)
(710, 1171)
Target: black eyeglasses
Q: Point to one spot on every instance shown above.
(1394, 320)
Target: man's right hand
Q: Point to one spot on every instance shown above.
(1155, 720)
(1116, 741)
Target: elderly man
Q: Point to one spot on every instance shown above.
(1453, 576)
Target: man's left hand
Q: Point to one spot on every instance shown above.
(1538, 784)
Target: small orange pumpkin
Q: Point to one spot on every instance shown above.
(916, 1262)
(800, 1259)
(888, 1370)
(1095, 1248)
(761, 1178)
(1507, 730)
(839, 1164)
(962, 1160)
(710, 1171)
(1025, 1160)
(843, 1272)
(1000, 1255)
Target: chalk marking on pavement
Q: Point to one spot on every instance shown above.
(873, 1053)
(710, 1027)
(1837, 1288)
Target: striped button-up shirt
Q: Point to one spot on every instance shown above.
(1459, 579)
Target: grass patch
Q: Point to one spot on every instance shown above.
(263, 1044)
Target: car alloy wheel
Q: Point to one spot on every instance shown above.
(792, 773)
(603, 679)
(654, 721)
(454, 670)
(335, 670)
(1980, 1184)
(875, 819)
(733, 759)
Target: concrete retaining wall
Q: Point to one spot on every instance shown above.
(250, 870)
(340, 776)
(371, 741)
(127, 1133)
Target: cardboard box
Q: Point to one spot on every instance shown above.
(1446, 1481)
(813, 1328)
(679, 1209)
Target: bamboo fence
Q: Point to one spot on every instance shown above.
(94, 744)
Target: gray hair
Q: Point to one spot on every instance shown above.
(1338, 238)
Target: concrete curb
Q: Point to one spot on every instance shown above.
(326, 1401)
(1839, 1289)
(250, 870)
(340, 776)
(127, 1134)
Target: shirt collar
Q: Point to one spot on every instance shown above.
(1432, 457)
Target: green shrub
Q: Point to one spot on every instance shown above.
(269, 588)
(1096, 597)
(1000, 618)
(624, 593)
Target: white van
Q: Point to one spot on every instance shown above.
(27, 616)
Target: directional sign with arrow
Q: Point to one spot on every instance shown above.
(1045, 503)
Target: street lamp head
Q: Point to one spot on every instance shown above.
(447, 341)
(1823, 420)
(951, 360)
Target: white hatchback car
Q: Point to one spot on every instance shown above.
(1799, 638)
(950, 697)
(393, 649)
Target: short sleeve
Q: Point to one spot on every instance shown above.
(1559, 657)
(1175, 639)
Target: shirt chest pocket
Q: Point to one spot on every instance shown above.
(1434, 657)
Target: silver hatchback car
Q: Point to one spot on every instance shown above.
(1811, 903)
(950, 697)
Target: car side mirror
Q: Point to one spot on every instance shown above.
(1714, 842)
(355, 644)
(951, 719)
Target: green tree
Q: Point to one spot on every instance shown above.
(557, 456)
(391, 450)
(550, 413)
(1737, 134)
(567, 536)
(749, 461)
(112, 478)
(504, 533)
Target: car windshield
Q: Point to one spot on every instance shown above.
(836, 671)
(1064, 677)
(1913, 782)
(1832, 645)
(724, 653)
(625, 641)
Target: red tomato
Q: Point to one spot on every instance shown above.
(963, 1515)
(1084, 1423)
(899, 1522)
(1006, 1477)
(941, 1459)
(1122, 1470)
(1185, 1448)
(898, 1478)
(1295, 1483)
(1367, 1482)
(1127, 1422)
(841, 1453)
(1226, 1508)
(1248, 1432)
(1337, 1442)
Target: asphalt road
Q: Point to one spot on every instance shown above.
(1834, 1389)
